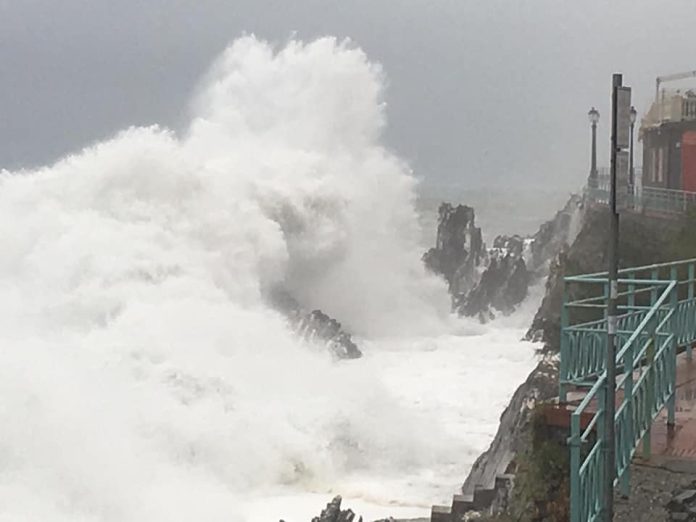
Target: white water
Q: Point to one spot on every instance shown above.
(142, 376)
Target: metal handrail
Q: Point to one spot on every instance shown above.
(641, 403)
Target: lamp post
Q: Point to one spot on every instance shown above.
(593, 116)
(631, 173)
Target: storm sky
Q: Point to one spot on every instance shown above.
(480, 93)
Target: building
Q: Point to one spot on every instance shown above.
(668, 133)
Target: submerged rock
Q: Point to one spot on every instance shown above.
(315, 325)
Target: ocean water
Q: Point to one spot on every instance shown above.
(144, 377)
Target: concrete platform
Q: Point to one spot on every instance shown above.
(680, 442)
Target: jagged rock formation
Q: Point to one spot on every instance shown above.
(315, 325)
(482, 281)
(504, 283)
(459, 250)
(333, 513)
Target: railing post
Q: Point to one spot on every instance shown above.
(650, 392)
(631, 292)
(602, 436)
(574, 440)
(562, 387)
(628, 399)
(671, 402)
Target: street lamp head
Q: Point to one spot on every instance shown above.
(633, 114)
(593, 116)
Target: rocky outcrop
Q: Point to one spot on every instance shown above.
(315, 325)
(485, 281)
(503, 284)
(459, 249)
(333, 513)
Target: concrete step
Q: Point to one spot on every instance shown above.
(462, 504)
(483, 498)
(441, 514)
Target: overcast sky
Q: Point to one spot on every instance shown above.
(480, 93)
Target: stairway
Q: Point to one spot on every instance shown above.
(482, 500)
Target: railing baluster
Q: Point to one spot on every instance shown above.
(671, 402)
(628, 398)
(562, 391)
(575, 490)
(689, 319)
(601, 412)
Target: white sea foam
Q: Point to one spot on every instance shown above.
(142, 375)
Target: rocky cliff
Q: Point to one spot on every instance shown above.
(644, 240)
(459, 252)
(485, 281)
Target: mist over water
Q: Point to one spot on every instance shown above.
(142, 374)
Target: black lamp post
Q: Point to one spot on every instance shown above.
(593, 116)
(631, 173)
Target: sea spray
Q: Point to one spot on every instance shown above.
(142, 375)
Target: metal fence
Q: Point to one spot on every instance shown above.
(658, 314)
(643, 199)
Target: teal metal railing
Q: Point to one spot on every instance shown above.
(583, 315)
(643, 199)
(646, 375)
(658, 315)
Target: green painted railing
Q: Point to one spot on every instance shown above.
(646, 374)
(658, 310)
(583, 315)
(643, 199)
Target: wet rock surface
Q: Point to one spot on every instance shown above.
(459, 249)
(482, 281)
(333, 513)
(315, 325)
(503, 284)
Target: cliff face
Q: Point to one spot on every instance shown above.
(643, 241)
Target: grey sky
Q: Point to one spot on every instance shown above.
(485, 92)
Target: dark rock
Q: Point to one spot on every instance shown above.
(503, 284)
(333, 513)
(685, 497)
(459, 249)
(315, 325)
(483, 282)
